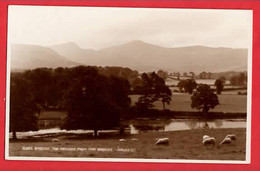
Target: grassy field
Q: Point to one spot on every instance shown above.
(182, 102)
(183, 145)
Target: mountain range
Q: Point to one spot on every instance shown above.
(136, 55)
(34, 56)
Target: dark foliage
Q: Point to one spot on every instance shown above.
(188, 85)
(238, 80)
(92, 100)
(23, 108)
(153, 89)
(95, 101)
(204, 98)
(219, 86)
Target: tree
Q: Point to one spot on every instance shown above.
(95, 101)
(192, 75)
(241, 79)
(204, 99)
(178, 75)
(153, 89)
(209, 75)
(162, 91)
(181, 85)
(120, 89)
(190, 85)
(219, 86)
(162, 74)
(23, 109)
(203, 75)
(42, 85)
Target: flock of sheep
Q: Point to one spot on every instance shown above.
(211, 140)
(206, 140)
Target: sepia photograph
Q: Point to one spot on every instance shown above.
(128, 84)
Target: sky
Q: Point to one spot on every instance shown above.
(101, 27)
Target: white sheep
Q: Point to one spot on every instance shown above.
(55, 140)
(134, 139)
(226, 140)
(162, 141)
(205, 137)
(209, 140)
(232, 136)
(122, 140)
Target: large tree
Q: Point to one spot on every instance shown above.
(204, 99)
(94, 101)
(161, 90)
(23, 109)
(181, 85)
(153, 89)
(42, 86)
(188, 85)
(219, 86)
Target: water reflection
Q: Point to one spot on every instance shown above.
(184, 124)
(204, 124)
(218, 123)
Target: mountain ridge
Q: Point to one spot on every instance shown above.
(145, 57)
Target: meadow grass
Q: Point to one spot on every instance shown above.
(182, 102)
(185, 144)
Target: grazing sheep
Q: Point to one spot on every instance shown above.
(134, 139)
(205, 137)
(232, 136)
(162, 141)
(55, 140)
(226, 141)
(209, 140)
(122, 140)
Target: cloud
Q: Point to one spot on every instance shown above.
(93, 27)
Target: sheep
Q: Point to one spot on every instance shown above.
(122, 140)
(226, 140)
(232, 136)
(209, 140)
(162, 141)
(205, 137)
(55, 140)
(134, 139)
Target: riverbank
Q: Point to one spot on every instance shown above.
(183, 145)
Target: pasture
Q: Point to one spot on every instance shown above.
(182, 102)
(183, 145)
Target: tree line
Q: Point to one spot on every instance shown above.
(94, 98)
(90, 98)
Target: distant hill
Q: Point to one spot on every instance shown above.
(143, 56)
(73, 52)
(33, 56)
(136, 55)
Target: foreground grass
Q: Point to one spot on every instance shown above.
(183, 145)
